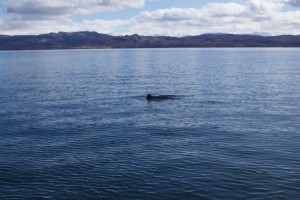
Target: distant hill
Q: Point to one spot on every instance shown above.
(93, 40)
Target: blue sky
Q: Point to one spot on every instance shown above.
(149, 6)
(151, 17)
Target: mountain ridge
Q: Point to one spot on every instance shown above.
(94, 40)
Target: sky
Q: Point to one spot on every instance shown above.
(150, 17)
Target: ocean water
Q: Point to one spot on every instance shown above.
(75, 124)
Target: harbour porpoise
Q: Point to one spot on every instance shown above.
(159, 97)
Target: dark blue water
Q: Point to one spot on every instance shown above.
(76, 124)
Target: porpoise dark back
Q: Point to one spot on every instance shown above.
(161, 97)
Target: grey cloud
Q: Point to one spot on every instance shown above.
(166, 15)
(35, 10)
(35, 7)
(295, 3)
(172, 17)
(55, 8)
(261, 18)
(14, 24)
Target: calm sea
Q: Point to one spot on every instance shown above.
(75, 124)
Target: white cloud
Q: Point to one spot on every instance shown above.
(42, 16)
(249, 16)
(19, 27)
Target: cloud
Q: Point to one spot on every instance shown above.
(251, 16)
(244, 17)
(41, 16)
(19, 27)
(180, 22)
(295, 3)
(54, 8)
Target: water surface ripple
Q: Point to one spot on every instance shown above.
(76, 124)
